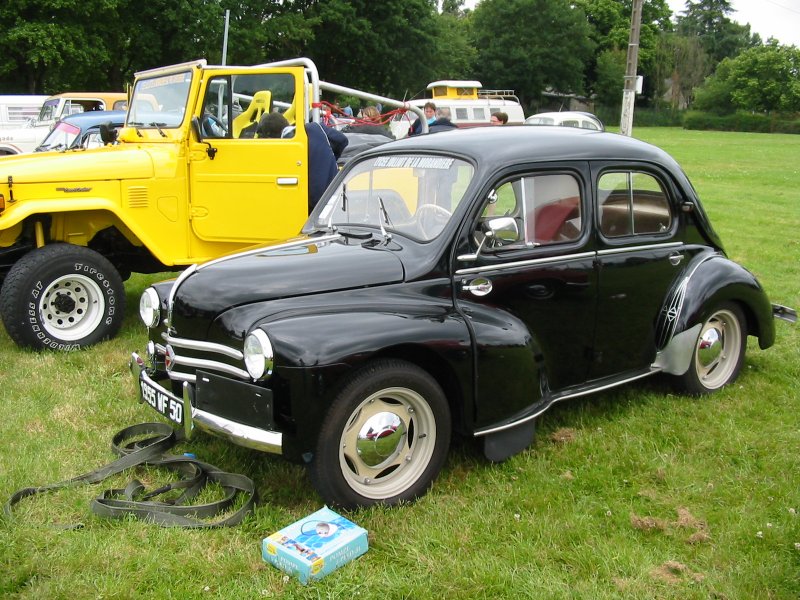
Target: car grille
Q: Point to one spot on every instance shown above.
(185, 356)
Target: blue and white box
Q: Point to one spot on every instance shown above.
(315, 545)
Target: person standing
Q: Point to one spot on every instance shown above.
(430, 115)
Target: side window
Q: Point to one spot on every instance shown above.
(461, 114)
(479, 114)
(234, 105)
(632, 203)
(547, 208)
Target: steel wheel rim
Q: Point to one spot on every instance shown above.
(71, 307)
(411, 448)
(717, 351)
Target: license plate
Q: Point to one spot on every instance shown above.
(163, 402)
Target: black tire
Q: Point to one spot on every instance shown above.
(62, 297)
(718, 351)
(384, 439)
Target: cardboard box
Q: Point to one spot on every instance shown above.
(315, 545)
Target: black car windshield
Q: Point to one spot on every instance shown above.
(160, 101)
(411, 194)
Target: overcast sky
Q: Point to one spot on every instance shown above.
(767, 18)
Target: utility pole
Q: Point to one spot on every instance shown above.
(629, 91)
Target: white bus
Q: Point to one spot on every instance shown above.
(468, 104)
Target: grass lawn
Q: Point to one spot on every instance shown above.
(633, 493)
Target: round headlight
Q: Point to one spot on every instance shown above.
(150, 307)
(258, 355)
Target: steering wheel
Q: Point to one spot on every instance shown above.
(213, 127)
(432, 218)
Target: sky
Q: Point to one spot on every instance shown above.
(767, 18)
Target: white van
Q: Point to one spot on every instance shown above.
(17, 111)
(467, 102)
(26, 137)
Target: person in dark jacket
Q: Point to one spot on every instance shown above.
(442, 122)
(322, 167)
(430, 115)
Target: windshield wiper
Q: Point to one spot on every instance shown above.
(158, 126)
(386, 236)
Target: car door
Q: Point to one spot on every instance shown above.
(251, 189)
(530, 303)
(640, 253)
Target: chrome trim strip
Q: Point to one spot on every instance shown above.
(205, 347)
(238, 433)
(526, 263)
(183, 377)
(640, 248)
(202, 363)
(482, 432)
(242, 435)
(174, 289)
(260, 249)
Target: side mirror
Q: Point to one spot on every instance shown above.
(502, 230)
(108, 134)
(198, 132)
(496, 232)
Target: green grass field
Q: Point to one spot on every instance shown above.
(633, 493)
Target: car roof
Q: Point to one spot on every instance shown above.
(510, 144)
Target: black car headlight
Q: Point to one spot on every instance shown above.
(258, 354)
(150, 307)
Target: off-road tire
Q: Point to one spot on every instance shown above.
(62, 297)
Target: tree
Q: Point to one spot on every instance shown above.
(531, 45)
(43, 42)
(720, 37)
(761, 79)
(682, 62)
(385, 47)
(610, 76)
(610, 22)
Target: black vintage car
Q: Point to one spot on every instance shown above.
(463, 281)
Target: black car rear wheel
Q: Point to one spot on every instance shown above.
(718, 352)
(384, 439)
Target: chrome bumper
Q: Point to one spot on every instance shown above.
(193, 417)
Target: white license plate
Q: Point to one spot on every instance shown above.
(163, 402)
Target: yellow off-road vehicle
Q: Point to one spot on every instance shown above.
(183, 182)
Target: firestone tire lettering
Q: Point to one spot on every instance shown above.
(62, 297)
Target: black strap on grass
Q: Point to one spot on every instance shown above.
(136, 501)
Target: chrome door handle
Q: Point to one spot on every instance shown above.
(675, 258)
(478, 287)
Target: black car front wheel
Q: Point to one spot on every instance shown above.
(718, 352)
(62, 297)
(384, 439)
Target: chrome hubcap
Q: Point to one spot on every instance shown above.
(718, 349)
(388, 443)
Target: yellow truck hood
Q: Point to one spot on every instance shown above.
(78, 165)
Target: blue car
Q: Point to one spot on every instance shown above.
(81, 130)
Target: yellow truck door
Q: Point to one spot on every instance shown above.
(253, 189)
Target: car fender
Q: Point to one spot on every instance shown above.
(315, 350)
(710, 281)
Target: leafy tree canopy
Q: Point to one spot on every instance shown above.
(531, 45)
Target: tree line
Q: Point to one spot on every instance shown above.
(698, 58)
